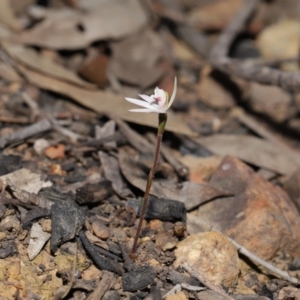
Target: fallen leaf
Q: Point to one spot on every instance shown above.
(55, 152)
(129, 62)
(256, 151)
(7, 16)
(38, 239)
(191, 194)
(287, 31)
(35, 61)
(200, 168)
(25, 180)
(102, 102)
(213, 94)
(270, 100)
(215, 15)
(72, 29)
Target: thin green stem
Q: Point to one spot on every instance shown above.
(162, 120)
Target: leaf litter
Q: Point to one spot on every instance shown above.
(226, 183)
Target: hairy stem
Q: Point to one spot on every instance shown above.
(162, 120)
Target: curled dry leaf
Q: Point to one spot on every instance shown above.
(72, 29)
(38, 239)
(130, 64)
(253, 150)
(26, 180)
(35, 61)
(103, 102)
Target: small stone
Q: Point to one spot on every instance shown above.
(111, 295)
(100, 230)
(91, 273)
(2, 235)
(9, 223)
(178, 296)
(156, 225)
(2, 210)
(40, 145)
(289, 292)
(212, 254)
(165, 241)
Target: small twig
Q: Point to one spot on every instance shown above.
(178, 287)
(206, 282)
(26, 132)
(100, 262)
(248, 70)
(35, 111)
(136, 140)
(254, 125)
(104, 285)
(264, 263)
(180, 169)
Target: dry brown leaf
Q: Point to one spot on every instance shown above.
(135, 59)
(287, 31)
(102, 102)
(213, 94)
(7, 16)
(71, 29)
(26, 180)
(191, 194)
(253, 150)
(216, 15)
(35, 61)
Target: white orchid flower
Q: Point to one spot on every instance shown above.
(157, 103)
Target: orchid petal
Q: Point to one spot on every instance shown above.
(139, 102)
(145, 110)
(147, 98)
(173, 94)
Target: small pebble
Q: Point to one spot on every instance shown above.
(100, 230)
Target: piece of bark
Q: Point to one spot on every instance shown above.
(138, 279)
(161, 209)
(94, 193)
(101, 262)
(67, 218)
(104, 285)
(26, 132)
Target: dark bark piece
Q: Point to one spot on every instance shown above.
(105, 252)
(162, 209)
(94, 193)
(67, 218)
(7, 248)
(26, 132)
(9, 163)
(35, 214)
(101, 262)
(178, 278)
(155, 294)
(111, 295)
(138, 279)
